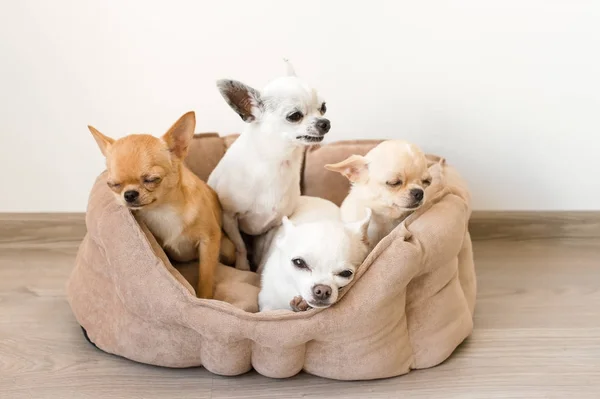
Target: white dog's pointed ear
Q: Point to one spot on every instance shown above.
(287, 227)
(243, 99)
(355, 168)
(287, 224)
(289, 68)
(361, 227)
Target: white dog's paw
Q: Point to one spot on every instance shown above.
(298, 304)
(241, 263)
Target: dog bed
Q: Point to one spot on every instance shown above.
(410, 305)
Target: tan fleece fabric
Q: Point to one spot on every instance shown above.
(409, 306)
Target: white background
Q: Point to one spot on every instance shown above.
(507, 90)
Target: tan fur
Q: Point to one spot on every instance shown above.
(180, 210)
(373, 177)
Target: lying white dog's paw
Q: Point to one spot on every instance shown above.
(298, 304)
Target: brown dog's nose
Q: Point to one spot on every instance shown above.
(321, 292)
(131, 195)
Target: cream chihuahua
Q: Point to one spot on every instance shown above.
(390, 180)
(148, 176)
(258, 179)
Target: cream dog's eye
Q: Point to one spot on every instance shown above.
(113, 185)
(150, 180)
(345, 274)
(426, 182)
(295, 116)
(394, 183)
(300, 263)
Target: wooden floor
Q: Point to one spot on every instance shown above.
(537, 333)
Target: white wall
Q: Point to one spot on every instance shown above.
(508, 91)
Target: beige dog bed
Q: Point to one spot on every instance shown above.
(410, 305)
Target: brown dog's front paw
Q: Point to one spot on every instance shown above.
(205, 292)
(298, 304)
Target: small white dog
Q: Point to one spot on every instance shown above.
(390, 180)
(258, 179)
(311, 256)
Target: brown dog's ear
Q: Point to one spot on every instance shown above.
(104, 142)
(178, 137)
(355, 168)
(243, 99)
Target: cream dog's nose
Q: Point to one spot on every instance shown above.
(417, 194)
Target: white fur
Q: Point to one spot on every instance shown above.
(258, 179)
(329, 246)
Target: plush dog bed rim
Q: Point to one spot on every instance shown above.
(400, 233)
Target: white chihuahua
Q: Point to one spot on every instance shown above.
(258, 179)
(390, 179)
(311, 257)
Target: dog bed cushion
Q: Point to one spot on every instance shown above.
(409, 306)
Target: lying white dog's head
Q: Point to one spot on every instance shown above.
(286, 107)
(320, 258)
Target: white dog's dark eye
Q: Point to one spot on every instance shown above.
(426, 182)
(150, 180)
(295, 116)
(345, 274)
(323, 109)
(394, 183)
(300, 263)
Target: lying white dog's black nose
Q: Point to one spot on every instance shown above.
(321, 292)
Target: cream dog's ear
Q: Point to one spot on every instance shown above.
(361, 227)
(355, 168)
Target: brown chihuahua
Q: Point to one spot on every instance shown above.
(148, 176)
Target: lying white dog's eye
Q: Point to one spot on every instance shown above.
(300, 263)
(426, 182)
(295, 116)
(395, 183)
(345, 274)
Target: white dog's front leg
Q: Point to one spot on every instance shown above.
(231, 228)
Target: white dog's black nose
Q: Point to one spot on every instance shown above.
(131, 195)
(323, 125)
(417, 194)
(321, 292)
